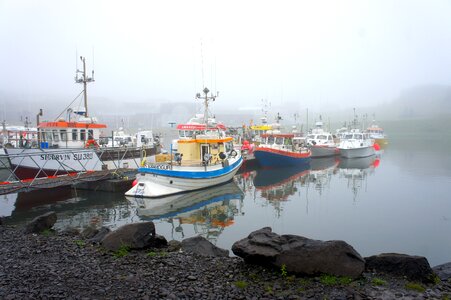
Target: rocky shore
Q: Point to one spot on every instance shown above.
(67, 265)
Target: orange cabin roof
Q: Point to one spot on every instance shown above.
(64, 124)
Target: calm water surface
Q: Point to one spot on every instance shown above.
(397, 202)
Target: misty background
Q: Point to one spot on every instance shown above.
(390, 60)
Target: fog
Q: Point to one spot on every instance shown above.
(321, 56)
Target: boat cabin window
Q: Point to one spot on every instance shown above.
(90, 134)
(311, 136)
(358, 136)
(188, 133)
(63, 133)
(228, 147)
(56, 137)
(279, 140)
(322, 137)
(82, 134)
(74, 134)
(47, 136)
(348, 136)
(329, 138)
(270, 140)
(288, 141)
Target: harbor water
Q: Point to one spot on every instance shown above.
(397, 201)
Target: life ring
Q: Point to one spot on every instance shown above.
(91, 143)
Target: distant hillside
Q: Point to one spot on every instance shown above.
(423, 101)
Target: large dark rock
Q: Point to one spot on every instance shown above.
(41, 223)
(202, 246)
(415, 268)
(443, 271)
(133, 236)
(299, 254)
(99, 236)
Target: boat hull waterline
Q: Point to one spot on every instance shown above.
(155, 183)
(357, 152)
(268, 157)
(324, 151)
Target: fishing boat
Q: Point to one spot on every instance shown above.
(278, 150)
(354, 144)
(74, 144)
(377, 133)
(205, 157)
(320, 142)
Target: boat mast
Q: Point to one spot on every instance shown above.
(84, 79)
(206, 99)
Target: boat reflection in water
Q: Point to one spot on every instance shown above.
(74, 208)
(356, 170)
(209, 210)
(322, 171)
(277, 185)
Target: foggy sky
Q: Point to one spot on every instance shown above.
(319, 54)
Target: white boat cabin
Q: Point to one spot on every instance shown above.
(62, 134)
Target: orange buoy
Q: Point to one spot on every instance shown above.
(135, 182)
(376, 147)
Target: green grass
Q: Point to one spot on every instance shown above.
(327, 279)
(47, 232)
(414, 286)
(241, 284)
(122, 251)
(378, 281)
(283, 270)
(80, 243)
(155, 254)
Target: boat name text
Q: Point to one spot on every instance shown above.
(72, 156)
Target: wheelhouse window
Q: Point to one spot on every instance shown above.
(82, 134)
(63, 134)
(55, 135)
(74, 134)
(90, 134)
(47, 136)
(279, 140)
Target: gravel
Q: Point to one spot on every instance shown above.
(58, 266)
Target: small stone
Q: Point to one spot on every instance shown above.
(192, 278)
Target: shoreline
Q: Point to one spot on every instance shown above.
(64, 265)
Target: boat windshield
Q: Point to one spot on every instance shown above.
(348, 136)
(279, 140)
(270, 140)
(358, 136)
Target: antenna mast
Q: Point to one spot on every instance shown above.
(84, 79)
(206, 99)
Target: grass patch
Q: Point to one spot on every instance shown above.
(47, 232)
(122, 251)
(414, 286)
(268, 289)
(327, 279)
(283, 270)
(241, 284)
(80, 243)
(378, 281)
(155, 254)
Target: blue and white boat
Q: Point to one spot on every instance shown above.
(205, 157)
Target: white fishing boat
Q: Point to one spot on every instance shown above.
(378, 134)
(73, 144)
(354, 144)
(205, 158)
(321, 142)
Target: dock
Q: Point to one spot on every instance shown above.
(105, 180)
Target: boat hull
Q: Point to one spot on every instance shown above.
(37, 163)
(154, 183)
(267, 157)
(323, 151)
(357, 152)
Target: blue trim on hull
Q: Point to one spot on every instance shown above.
(193, 174)
(270, 159)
